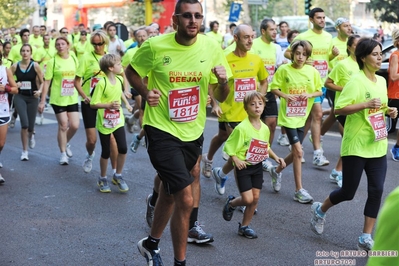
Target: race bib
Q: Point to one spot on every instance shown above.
(242, 86)
(271, 70)
(184, 104)
(322, 67)
(93, 83)
(258, 151)
(4, 107)
(25, 85)
(296, 108)
(67, 87)
(377, 122)
(111, 118)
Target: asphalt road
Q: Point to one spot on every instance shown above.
(55, 215)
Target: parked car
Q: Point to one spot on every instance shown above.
(383, 71)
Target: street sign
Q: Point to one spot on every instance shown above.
(235, 9)
(41, 2)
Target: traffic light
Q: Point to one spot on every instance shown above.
(308, 4)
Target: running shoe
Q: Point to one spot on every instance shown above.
(12, 122)
(32, 142)
(302, 196)
(130, 122)
(316, 222)
(319, 159)
(68, 150)
(152, 256)
(267, 165)
(336, 177)
(2, 179)
(118, 181)
(228, 210)
(64, 159)
(365, 243)
(276, 179)
(242, 209)
(395, 154)
(103, 184)
(24, 156)
(283, 140)
(149, 216)
(134, 145)
(220, 182)
(198, 235)
(206, 166)
(246, 231)
(88, 163)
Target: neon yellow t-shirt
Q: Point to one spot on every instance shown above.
(387, 233)
(19, 40)
(359, 136)
(216, 36)
(7, 63)
(230, 48)
(322, 45)
(239, 142)
(44, 55)
(295, 81)
(128, 42)
(247, 72)
(268, 52)
(62, 72)
(15, 53)
(341, 45)
(128, 56)
(182, 74)
(89, 71)
(82, 48)
(105, 92)
(36, 42)
(342, 73)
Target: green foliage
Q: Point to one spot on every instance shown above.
(385, 10)
(14, 12)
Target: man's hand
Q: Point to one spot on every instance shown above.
(220, 73)
(153, 97)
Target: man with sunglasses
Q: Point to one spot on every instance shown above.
(180, 69)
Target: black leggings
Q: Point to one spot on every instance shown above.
(352, 169)
(120, 137)
(26, 107)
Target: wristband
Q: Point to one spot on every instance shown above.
(7, 88)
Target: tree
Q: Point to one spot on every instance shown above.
(133, 13)
(384, 10)
(14, 13)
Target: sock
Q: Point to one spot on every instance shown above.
(154, 198)
(317, 151)
(103, 177)
(151, 243)
(63, 153)
(320, 212)
(206, 157)
(396, 146)
(365, 236)
(118, 175)
(193, 217)
(179, 263)
(114, 171)
(221, 174)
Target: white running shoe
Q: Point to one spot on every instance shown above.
(32, 142)
(267, 165)
(206, 166)
(88, 163)
(24, 156)
(68, 150)
(303, 196)
(283, 140)
(319, 159)
(276, 179)
(316, 222)
(64, 159)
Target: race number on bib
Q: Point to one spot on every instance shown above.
(111, 118)
(25, 85)
(242, 86)
(257, 152)
(322, 67)
(184, 104)
(377, 122)
(93, 83)
(67, 87)
(271, 70)
(297, 108)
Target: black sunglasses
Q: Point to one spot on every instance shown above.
(65, 32)
(188, 15)
(97, 44)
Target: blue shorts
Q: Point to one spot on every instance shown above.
(320, 99)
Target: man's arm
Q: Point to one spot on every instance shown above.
(221, 89)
